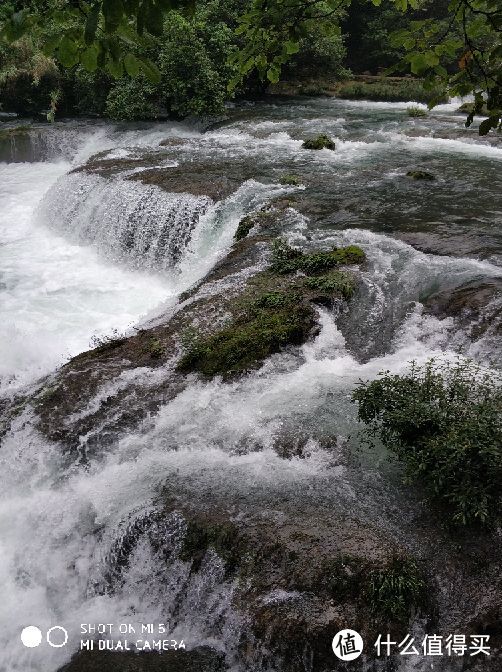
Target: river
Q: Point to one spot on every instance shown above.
(85, 257)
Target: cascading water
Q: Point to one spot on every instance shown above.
(125, 219)
(99, 253)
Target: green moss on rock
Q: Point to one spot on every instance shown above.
(415, 111)
(13, 132)
(420, 175)
(271, 322)
(322, 141)
(287, 259)
(336, 282)
(154, 348)
(290, 180)
(244, 227)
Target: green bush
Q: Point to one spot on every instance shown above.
(193, 60)
(445, 423)
(322, 50)
(27, 77)
(132, 99)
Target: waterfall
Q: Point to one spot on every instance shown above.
(126, 220)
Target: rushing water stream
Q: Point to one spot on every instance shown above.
(84, 256)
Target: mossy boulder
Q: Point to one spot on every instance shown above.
(322, 141)
(273, 311)
(261, 217)
(420, 175)
(415, 111)
(287, 259)
(272, 321)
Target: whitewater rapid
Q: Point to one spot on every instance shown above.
(66, 278)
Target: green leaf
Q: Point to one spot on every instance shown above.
(431, 59)
(89, 58)
(50, 45)
(132, 65)
(115, 68)
(291, 47)
(273, 74)
(68, 52)
(150, 70)
(418, 63)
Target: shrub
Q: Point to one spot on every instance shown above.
(286, 259)
(193, 60)
(445, 423)
(132, 99)
(27, 77)
(415, 111)
(395, 590)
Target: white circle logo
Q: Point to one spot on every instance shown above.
(64, 638)
(31, 636)
(347, 645)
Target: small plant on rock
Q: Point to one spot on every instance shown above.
(286, 259)
(415, 111)
(395, 590)
(290, 180)
(336, 282)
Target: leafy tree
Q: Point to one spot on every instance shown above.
(462, 54)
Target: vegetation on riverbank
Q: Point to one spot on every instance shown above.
(444, 424)
(392, 90)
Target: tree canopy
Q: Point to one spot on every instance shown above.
(460, 52)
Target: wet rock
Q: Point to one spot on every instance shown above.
(476, 305)
(442, 241)
(420, 175)
(198, 180)
(192, 179)
(320, 142)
